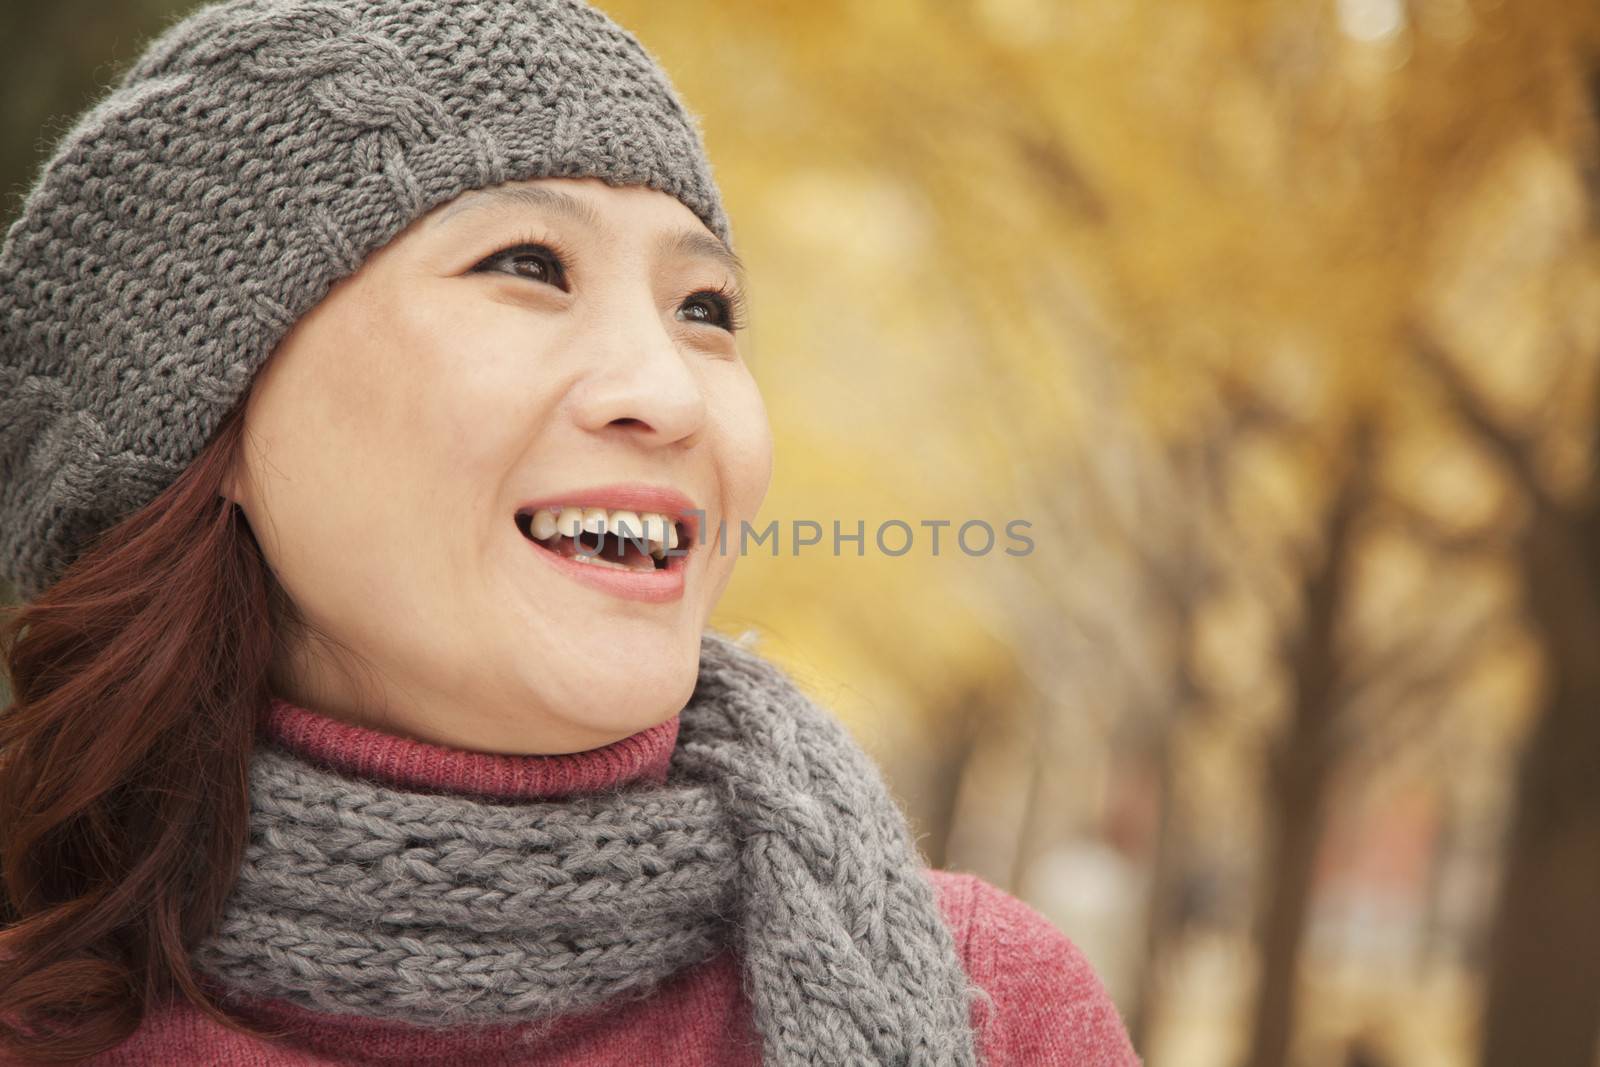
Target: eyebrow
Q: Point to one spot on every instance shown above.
(696, 243)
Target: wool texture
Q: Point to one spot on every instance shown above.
(254, 155)
(774, 833)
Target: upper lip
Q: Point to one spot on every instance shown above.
(630, 496)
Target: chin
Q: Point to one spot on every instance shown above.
(618, 686)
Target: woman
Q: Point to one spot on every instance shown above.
(364, 705)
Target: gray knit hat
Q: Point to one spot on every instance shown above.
(256, 154)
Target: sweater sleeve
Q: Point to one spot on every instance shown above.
(1046, 1007)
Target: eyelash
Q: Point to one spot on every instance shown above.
(731, 300)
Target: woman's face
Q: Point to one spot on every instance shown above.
(544, 346)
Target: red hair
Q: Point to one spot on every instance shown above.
(137, 680)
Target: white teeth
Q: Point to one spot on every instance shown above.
(569, 523)
(657, 529)
(653, 528)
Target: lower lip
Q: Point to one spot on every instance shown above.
(653, 586)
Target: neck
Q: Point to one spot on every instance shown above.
(368, 753)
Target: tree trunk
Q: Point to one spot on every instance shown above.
(939, 819)
(1301, 768)
(1542, 1001)
(1162, 921)
(1295, 836)
(1542, 1004)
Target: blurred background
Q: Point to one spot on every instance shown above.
(1279, 322)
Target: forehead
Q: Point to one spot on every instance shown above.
(543, 198)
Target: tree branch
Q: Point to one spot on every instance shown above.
(1514, 449)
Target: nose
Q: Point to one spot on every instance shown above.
(640, 384)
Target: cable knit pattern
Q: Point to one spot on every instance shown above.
(254, 155)
(773, 833)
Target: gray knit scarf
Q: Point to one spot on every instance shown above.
(774, 833)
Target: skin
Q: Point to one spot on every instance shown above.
(394, 432)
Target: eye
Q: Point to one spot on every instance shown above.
(722, 307)
(531, 260)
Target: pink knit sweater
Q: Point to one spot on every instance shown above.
(1047, 1009)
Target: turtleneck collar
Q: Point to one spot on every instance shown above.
(404, 763)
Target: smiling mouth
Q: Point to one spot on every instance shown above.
(617, 540)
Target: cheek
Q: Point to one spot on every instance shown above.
(388, 414)
(447, 389)
(745, 447)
